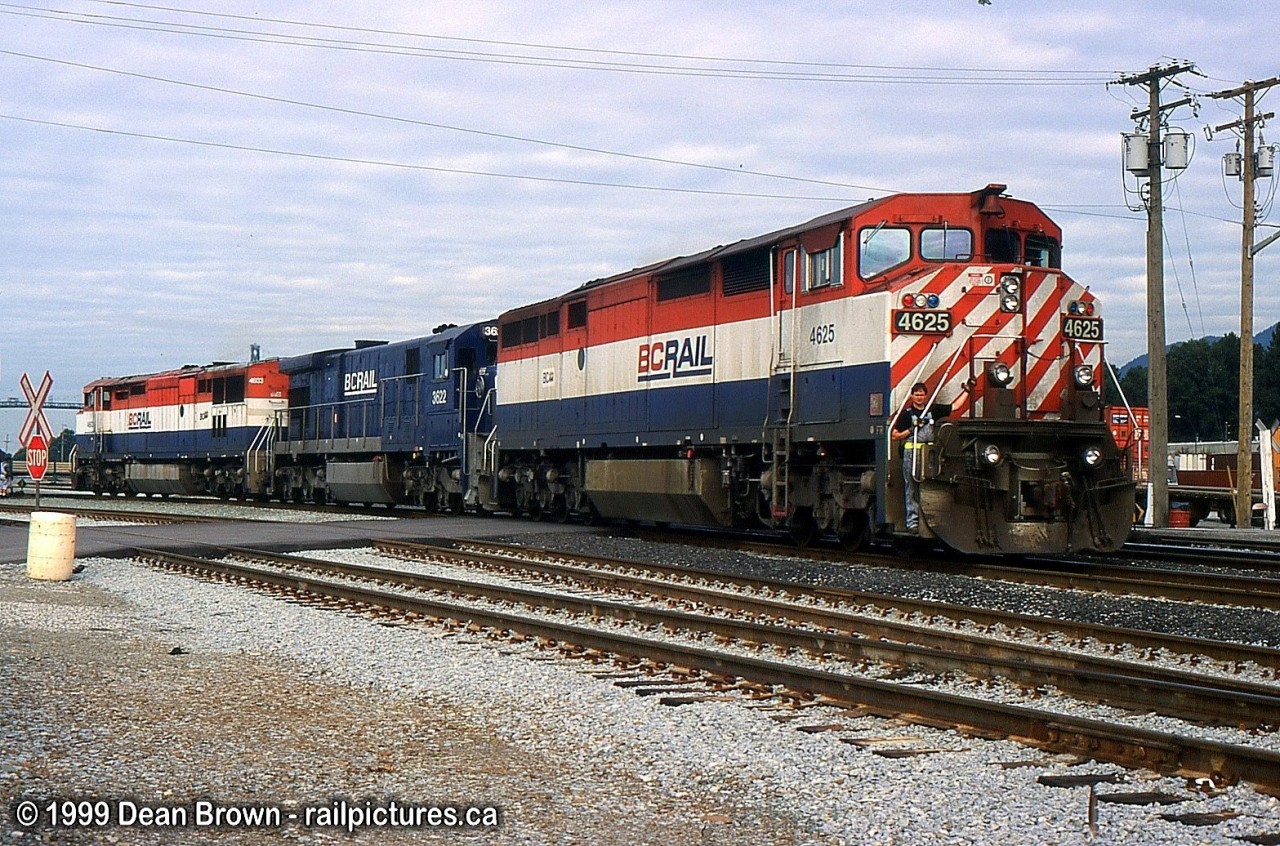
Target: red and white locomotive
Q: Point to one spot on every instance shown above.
(755, 384)
(198, 430)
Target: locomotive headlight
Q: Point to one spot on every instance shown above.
(1083, 374)
(999, 374)
(991, 455)
(1010, 293)
(1092, 456)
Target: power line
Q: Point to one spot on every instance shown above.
(609, 52)
(417, 167)
(1191, 262)
(435, 125)
(808, 70)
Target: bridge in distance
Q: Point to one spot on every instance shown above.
(14, 402)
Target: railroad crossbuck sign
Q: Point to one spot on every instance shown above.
(37, 456)
(36, 422)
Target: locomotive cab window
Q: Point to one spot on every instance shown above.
(1043, 251)
(880, 248)
(229, 389)
(945, 244)
(577, 314)
(1003, 246)
(823, 269)
(467, 361)
(440, 366)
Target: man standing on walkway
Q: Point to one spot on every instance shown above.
(913, 429)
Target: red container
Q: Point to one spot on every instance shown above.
(1179, 518)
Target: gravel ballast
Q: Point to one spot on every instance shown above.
(274, 702)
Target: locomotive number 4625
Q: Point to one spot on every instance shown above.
(1082, 328)
(922, 322)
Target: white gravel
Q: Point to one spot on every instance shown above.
(997, 690)
(833, 792)
(1249, 671)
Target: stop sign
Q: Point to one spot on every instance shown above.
(37, 456)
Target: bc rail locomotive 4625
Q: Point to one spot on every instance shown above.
(754, 384)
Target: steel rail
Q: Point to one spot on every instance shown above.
(1244, 559)
(1179, 585)
(1161, 751)
(858, 637)
(113, 514)
(1230, 654)
(1224, 538)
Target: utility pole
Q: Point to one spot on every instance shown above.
(1248, 175)
(1157, 366)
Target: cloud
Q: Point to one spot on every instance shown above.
(127, 254)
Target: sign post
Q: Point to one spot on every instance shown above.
(36, 433)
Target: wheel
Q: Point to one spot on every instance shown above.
(560, 509)
(855, 530)
(802, 528)
(533, 508)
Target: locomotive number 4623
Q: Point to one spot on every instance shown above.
(922, 322)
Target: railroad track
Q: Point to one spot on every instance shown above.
(505, 613)
(825, 630)
(1092, 576)
(1267, 560)
(168, 509)
(1229, 656)
(111, 514)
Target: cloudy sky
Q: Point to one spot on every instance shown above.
(180, 181)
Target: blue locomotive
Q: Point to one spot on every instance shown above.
(391, 423)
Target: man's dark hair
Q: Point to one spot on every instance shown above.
(919, 386)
